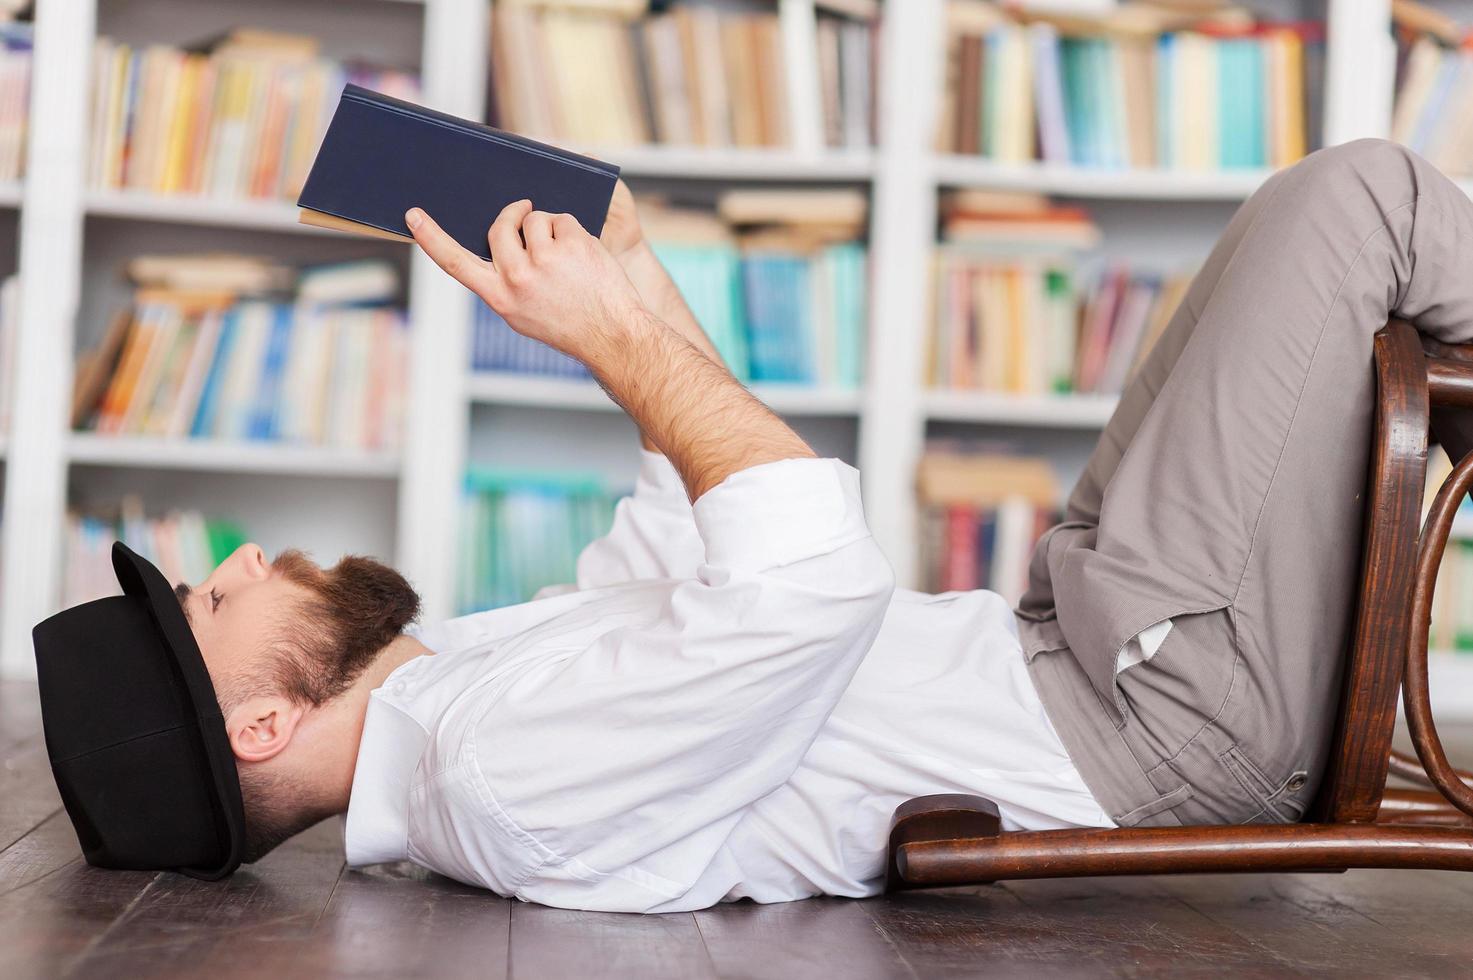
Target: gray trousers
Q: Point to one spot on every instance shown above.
(1226, 494)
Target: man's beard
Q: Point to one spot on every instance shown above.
(352, 611)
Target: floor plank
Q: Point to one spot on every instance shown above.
(819, 939)
(398, 921)
(652, 947)
(52, 905)
(1303, 923)
(27, 790)
(185, 927)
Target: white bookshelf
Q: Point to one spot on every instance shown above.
(496, 388)
(456, 418)
(1138, 184)
(229, 456)
(191, 209)
(1088, 412)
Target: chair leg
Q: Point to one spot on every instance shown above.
(940, 817)
(1167, 850)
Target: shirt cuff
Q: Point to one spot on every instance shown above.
(780, 513)
(657, 477)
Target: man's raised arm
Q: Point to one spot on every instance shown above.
(552, 281)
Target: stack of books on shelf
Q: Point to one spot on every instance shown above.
(15, 97)
(599, 74)
(1136, 86)
(983, 509)
(523, 532)
(185, 545)
(1434, 87)
(216, 347)
(241, 117)
(776, 278)
(9, 328)
(1016, 312)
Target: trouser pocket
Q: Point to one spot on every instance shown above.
(1269, 801)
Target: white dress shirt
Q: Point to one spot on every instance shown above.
(730, 703)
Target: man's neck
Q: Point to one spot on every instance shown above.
(335, 729)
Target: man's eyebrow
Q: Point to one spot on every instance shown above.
(182, 592)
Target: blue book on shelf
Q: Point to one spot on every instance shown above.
(1240, 102)
(497, 347)
(1166, 85)
(1075, 103)
(209, 400)
(775, 315)
(263, 423)
(1431, 118)
(847, 267)
(710, 279)
(1053, 129)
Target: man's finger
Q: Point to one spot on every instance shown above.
(465, 267)
(566, 226)
(507, 250)
(537, 229)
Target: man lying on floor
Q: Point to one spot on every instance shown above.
(733, 698)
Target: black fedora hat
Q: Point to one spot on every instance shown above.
(134, 732)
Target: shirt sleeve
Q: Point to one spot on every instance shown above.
(653, 535)
(629, 764)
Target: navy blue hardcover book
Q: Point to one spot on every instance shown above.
(382, 156)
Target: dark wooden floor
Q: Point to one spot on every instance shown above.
(299, 913)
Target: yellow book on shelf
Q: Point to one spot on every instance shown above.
(176, 154)
(1291, 46)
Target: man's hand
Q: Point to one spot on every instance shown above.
(548, 278)
(562, 287)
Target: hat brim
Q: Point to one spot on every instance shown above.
(141, 580)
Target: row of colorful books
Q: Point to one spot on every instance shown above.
(9, 329)
(983, 507)
(241, 119)
(185, 545)
(775, 279)
(696, 75)
(209, 364)
(1434, 103)
(15, 97)
(523, 532)
(1228, 95)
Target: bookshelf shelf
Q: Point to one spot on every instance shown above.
(497, 388)
(219, 456)
(192, 209)
(1054, 411)
(736, 164)
(1160, 185)
(10, 194)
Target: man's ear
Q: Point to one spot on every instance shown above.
(259, 728)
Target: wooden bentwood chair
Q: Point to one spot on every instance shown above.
(1355, 821)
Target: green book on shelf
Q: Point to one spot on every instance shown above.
(1240, 102)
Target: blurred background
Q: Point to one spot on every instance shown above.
(938, 237)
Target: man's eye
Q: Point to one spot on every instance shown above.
(215, 598)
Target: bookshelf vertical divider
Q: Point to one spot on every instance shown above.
(50, 273)
(1360, 70)
(902, 236)
(437, 413)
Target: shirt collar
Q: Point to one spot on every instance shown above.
(376, 829)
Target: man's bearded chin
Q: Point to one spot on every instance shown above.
(351, 612)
